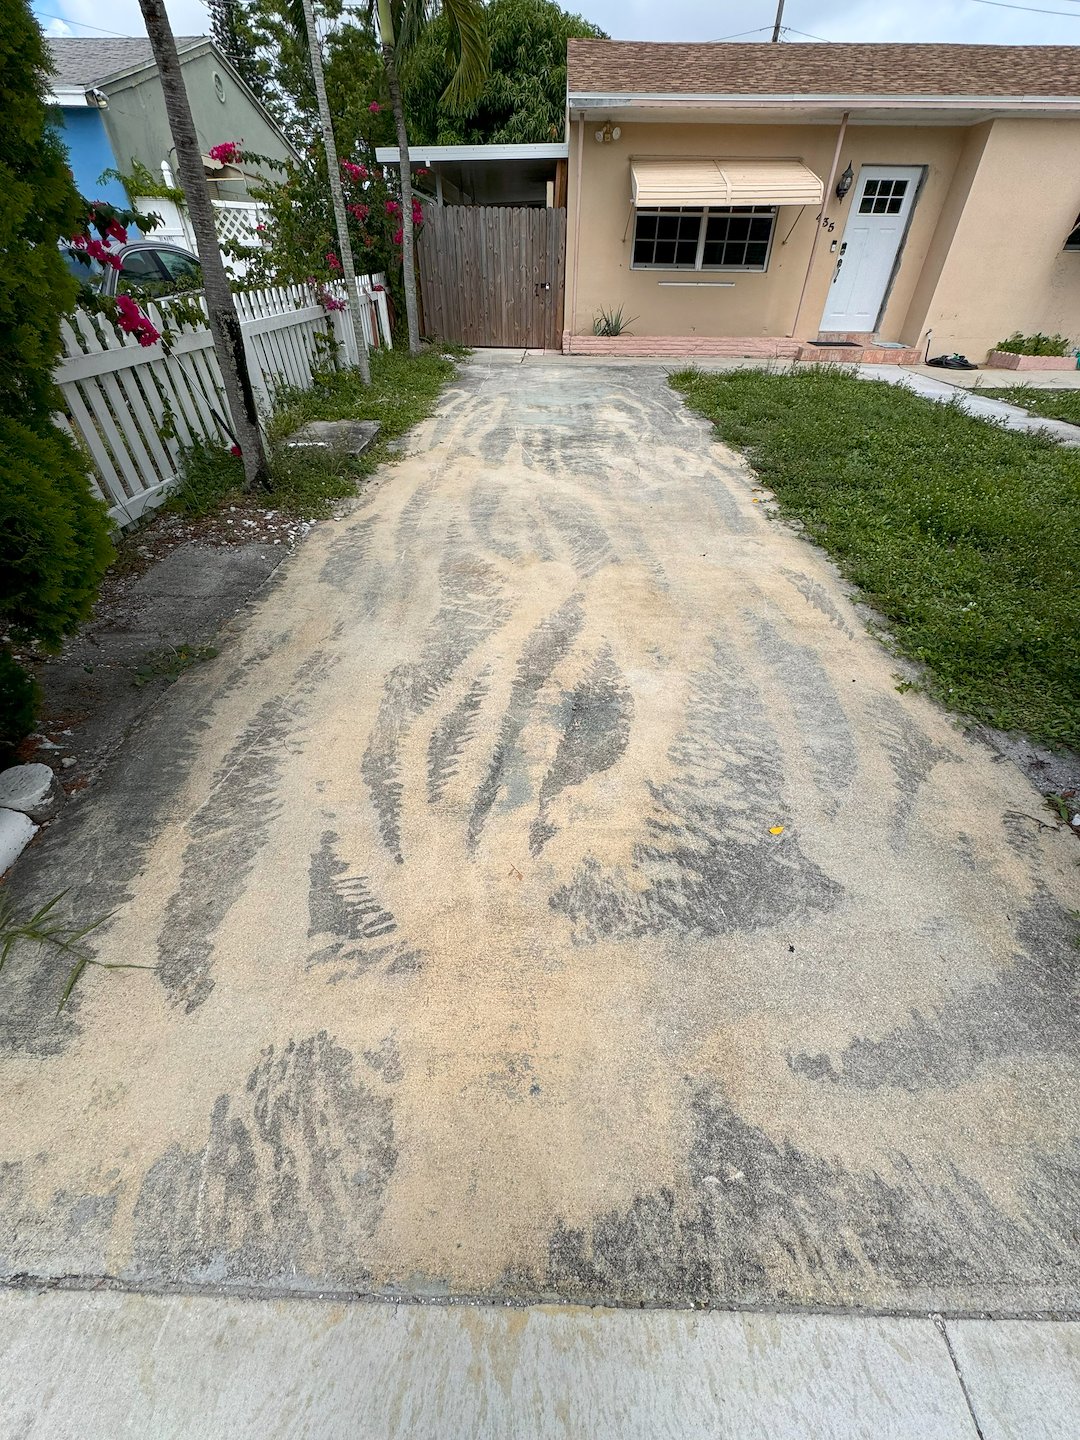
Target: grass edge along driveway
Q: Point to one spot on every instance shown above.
(962, 534)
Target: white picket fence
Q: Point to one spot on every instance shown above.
(133, 409)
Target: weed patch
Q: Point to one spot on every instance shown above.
(1050, 404)
(170, 662)
(962, 534)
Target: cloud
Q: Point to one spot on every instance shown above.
(58, 28)
(123, 17)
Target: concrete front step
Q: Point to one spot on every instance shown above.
(737, 347)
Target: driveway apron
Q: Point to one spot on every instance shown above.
(552, 895)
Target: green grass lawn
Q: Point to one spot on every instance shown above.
(1051, 404)
(404, 390)
(964, 536)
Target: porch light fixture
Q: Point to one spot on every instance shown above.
(844, 184)
(607, 133)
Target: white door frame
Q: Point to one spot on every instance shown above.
(874, 242)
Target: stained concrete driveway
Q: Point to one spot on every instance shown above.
(484, 966)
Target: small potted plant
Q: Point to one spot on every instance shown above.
(1033, 352)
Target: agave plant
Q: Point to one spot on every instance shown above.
(612, 322)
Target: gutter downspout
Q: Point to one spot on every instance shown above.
(817, 232)
(577, 232)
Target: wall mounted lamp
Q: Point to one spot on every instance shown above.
(844, 184)
(607, 133)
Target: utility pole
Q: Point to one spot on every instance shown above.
(779, 17)
(220, 307)
(341, 224)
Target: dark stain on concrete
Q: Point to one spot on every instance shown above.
(473, 607)
(342, 904)
(587, 542)
(825, 737)
(386, 1061)
(1031, 1008)
(452, 735)
(73, 1226)
(226, 835)
(759, 1222)
(549, 643)
(288, 1186)
(710, 864)
(913, 756)
(596, 731)
(816, 595)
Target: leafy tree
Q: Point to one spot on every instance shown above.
(54, 534)
(523, 100)
(400, 24)
(235, 38)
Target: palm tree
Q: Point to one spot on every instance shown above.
(341, 224)
(220, 308)
(399, 23)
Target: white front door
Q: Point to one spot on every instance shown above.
(881, 203)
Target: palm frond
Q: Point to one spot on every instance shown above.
(468, 52)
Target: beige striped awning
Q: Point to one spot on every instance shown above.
(659, 183)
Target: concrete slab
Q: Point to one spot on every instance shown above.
(984, 406)
(543, 906)
(1022, 1378)
(988, 379)
(123, 1367)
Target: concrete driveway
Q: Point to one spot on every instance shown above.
(552, 896)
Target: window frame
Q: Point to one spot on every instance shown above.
(1072, 240)
(704, 213)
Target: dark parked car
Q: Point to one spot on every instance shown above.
(153, 267)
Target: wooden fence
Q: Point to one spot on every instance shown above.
(493, 275)
(133, 409)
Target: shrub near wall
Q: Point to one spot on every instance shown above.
(54, 537)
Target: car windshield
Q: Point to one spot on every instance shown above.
(86, 274)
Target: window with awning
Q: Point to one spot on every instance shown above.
(684, 184)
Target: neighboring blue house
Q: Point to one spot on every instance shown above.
(89, 150)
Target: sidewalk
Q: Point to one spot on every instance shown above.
(112, 1366)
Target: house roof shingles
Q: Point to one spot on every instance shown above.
(614, 67)
(87, 62)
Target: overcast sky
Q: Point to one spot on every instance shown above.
(950, 20)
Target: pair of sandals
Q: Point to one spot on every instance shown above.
(952, 362)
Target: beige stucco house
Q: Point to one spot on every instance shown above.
(740, 199)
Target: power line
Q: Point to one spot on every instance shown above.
(80, 24)
(739, 36)
(790, 30)
(1027, 9)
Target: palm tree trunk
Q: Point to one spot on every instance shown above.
(341, 223)
(408, 243)
(221, 311)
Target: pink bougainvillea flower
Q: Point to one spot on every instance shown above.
(330, 302)
(398, 235)
(356, 173)
(235, 450)
(378, 289)
(332, 260)
(132, 321)
(393, 208)
(417, 213)
(116, 231)
(359, 212)
(225, 153)
(260, 229)
(423, 170)
(374, 107)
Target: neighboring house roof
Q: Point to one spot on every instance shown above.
(78, 62)
(615, 67)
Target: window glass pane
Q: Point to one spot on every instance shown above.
(895, 205)
(184, 270)
(667, 227)
(140, 272)
(760, 229)
(871, 187)
(686, 251)
(665, 252)
(646, 227)
(866, 205)
(643, 252)
(756, 253)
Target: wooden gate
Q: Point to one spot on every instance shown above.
(493, 275)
